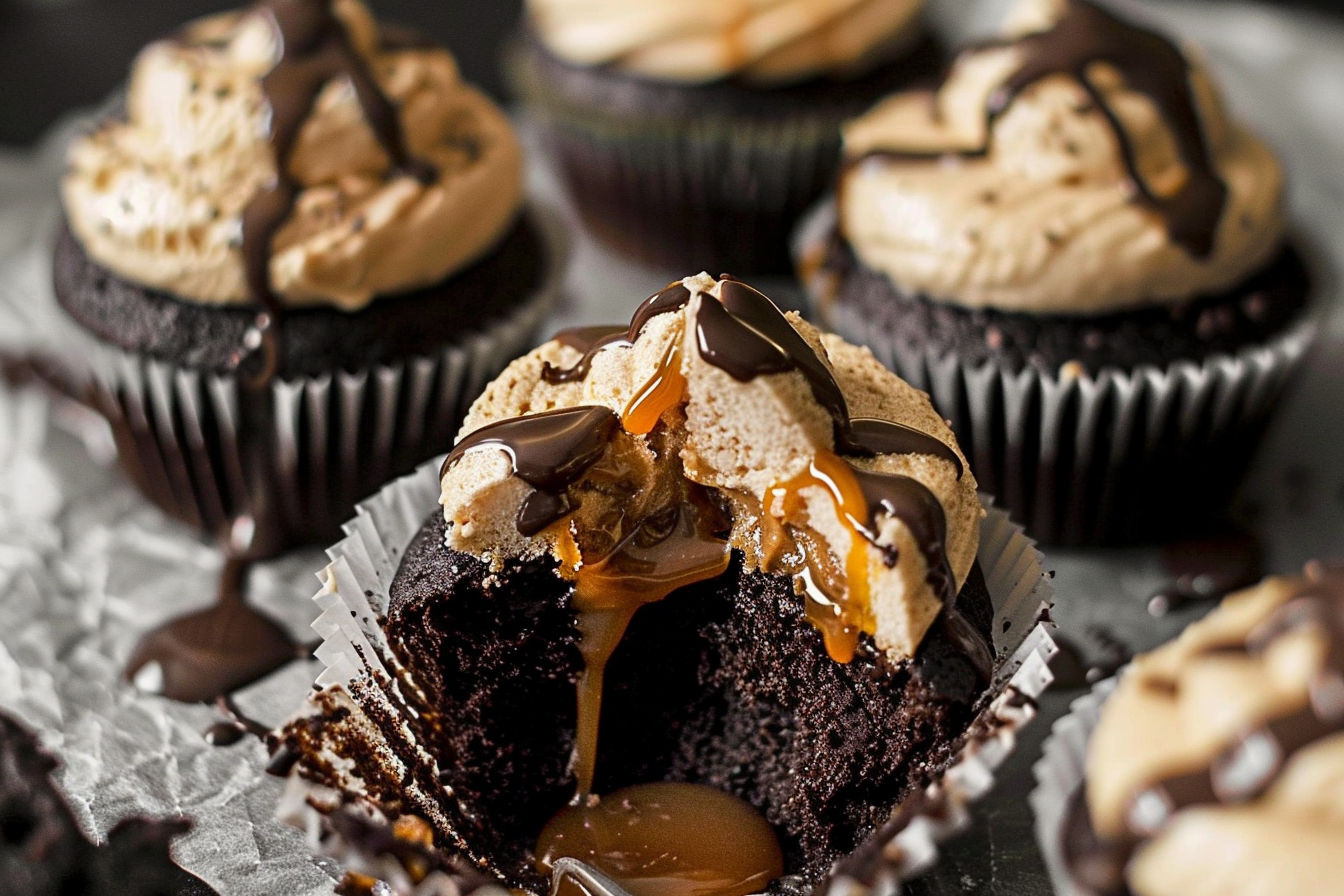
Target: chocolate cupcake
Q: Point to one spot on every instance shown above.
(290, 264)
(1082, 258)
(695, 134)
(1214, 765)
(714, 566)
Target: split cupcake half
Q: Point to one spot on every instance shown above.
(714, 555)
(1084, 258)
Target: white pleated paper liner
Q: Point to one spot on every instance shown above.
(1080, 458)
(334, 438)
(1059, 773)
(355, 716)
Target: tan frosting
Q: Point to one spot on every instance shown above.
(1181, 705)
(768, 41)
(739, 436)
(1046, 222)
(158, 197)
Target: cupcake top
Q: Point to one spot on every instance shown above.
(392, 172)
(697, 41)
(715, 421)
(1228, 745)
(1079, 165)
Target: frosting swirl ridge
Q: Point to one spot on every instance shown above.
(1078, 166)
(159, 196)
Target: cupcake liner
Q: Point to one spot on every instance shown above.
(189, 438)
(1117, 456)
(695, 188)
(365, 688)
(1059, 773)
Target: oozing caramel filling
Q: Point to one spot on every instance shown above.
(660, 394)
(838, 602)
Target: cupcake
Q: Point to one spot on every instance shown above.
(1081, 256)
(695, 134)
(713, 571)
(1214, 765)
(290, 263)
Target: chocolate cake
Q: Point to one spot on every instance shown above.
(43, 852)
(746, 548)
(722, 683)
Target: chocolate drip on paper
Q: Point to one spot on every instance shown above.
(550, 452)
(671, 298)
(1151, 65)
(206, 655)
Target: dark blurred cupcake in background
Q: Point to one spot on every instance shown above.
(1083, 259)
(692, 134)
(292, 263)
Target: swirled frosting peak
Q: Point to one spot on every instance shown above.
(694, 41)
(1081, 164)
(161, 195)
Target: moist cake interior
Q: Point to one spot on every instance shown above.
(724, 682)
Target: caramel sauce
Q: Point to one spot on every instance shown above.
(660, 394)
(666, 839)
(838, 602)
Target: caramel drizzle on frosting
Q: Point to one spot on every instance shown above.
(1249, 765)
(1150, 64)
(314, 48)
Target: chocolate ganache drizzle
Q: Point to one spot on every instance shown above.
(206, 655)
(1086, 35)
(1248, 766)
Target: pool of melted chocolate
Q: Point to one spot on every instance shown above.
(724, 683)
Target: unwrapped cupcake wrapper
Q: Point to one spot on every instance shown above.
(362, 692)
(1059, 773)
(332, 439)
(1119, 456)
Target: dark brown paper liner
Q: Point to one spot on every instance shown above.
(183, 438)
(703, 189)
(363, 695)
(1116, 457)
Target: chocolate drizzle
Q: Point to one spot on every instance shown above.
(590, 341)
(1254, 760)
(1150, 64)
(550, 452)
(206, 655)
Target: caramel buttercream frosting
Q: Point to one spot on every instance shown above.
(395, 172)
(639, 457)
(1218, 763)
(696, 41)
(1081, 164)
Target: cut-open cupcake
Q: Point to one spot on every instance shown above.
(713, 548)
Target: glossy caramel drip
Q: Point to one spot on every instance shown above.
(1151, 65)
(660, 394)
(839, 605)
(666, 839)
(666, 538)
